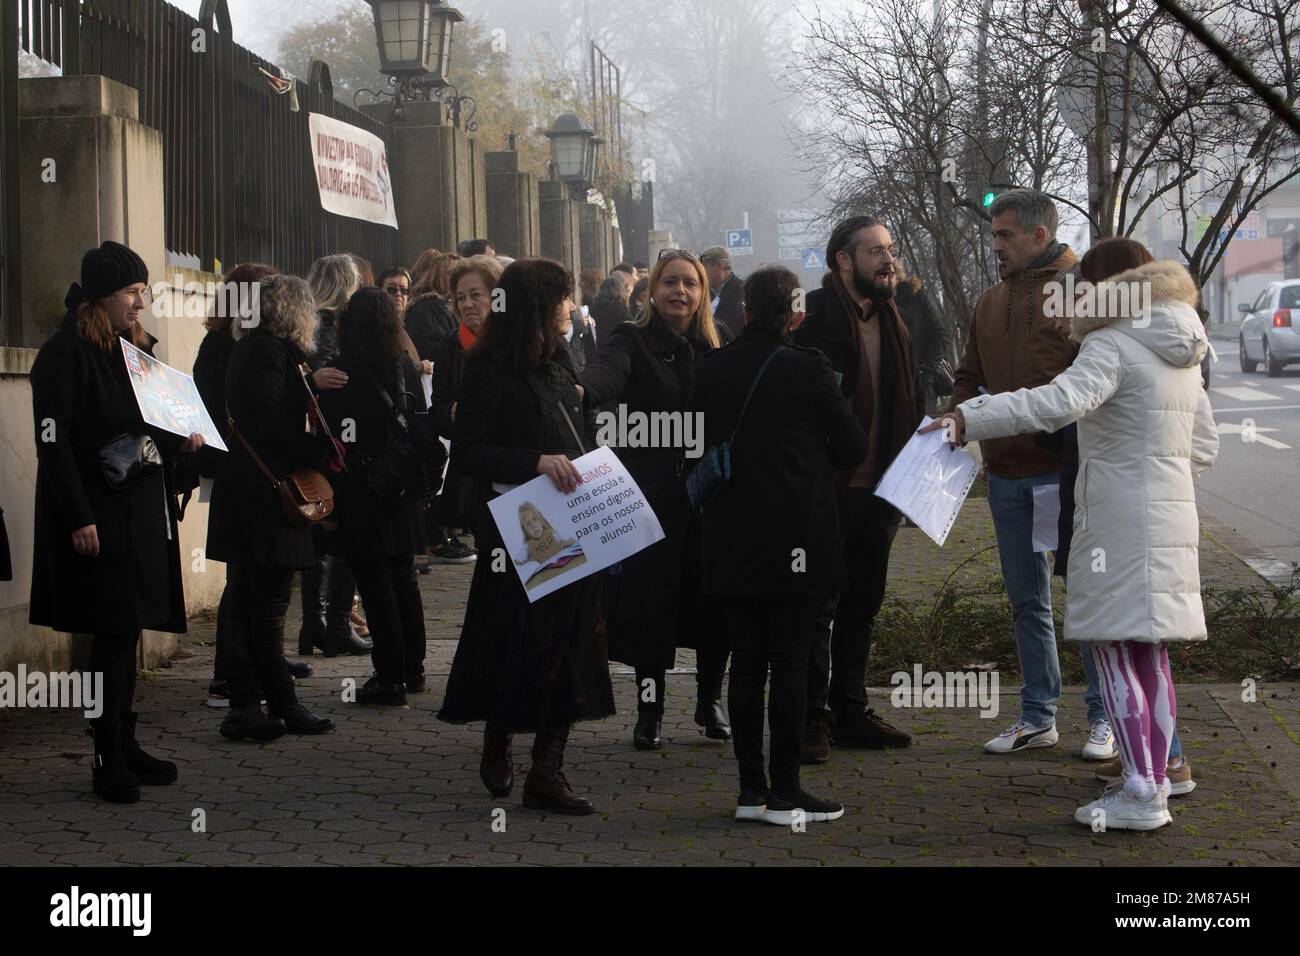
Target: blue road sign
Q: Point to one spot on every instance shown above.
(812, 259)
(739, 242)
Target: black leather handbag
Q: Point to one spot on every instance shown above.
(128, 459)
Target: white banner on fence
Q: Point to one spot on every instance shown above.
(351, 171)
(554, 539)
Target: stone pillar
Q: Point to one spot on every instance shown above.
(512, 206)
(437, 179)
(559, 225)
(90, 171)
(595, 238)
(659, 240)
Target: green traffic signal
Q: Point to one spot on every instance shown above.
(988, 198)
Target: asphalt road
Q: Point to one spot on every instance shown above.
(1255, 485)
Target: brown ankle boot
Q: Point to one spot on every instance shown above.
(497, 768)
(546, 787)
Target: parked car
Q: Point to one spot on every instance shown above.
(1269, 334)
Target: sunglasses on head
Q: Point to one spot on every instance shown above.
(677, 254)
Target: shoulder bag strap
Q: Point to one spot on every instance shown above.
(234, 430)
(569, 421)
(313, 407)
(757, 378)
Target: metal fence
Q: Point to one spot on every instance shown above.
(239, 180)
(10, 254)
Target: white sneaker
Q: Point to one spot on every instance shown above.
(1117, 810)
(1023, 735)
(1101, 742)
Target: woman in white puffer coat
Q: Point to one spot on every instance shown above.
(1145, 430)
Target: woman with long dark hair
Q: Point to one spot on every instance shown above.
(106, 559)
(377, 527)
(525, 667)
(655, 605)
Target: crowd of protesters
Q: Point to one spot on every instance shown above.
(370, 421)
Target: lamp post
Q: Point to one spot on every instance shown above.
(414, 39)
(573, 152)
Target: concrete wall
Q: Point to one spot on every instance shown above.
(107, 184)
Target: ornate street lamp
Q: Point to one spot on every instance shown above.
(414, 38)
(572, 149)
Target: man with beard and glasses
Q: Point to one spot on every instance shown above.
(853, 319)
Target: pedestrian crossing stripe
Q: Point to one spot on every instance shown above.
(1294, 388)
(1244, 394)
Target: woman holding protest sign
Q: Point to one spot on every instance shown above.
(106, 559)
(647, 366)
(525, 667)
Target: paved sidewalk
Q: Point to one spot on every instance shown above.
(395, 786)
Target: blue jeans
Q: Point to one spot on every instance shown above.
(1097, 710)
(1028, 582)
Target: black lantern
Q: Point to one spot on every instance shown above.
(415, 38)
(572, 150)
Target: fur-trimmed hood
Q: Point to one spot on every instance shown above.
(1154, 304)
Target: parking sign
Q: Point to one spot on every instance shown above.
(739, 242)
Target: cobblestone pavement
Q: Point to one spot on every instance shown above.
(395, 786)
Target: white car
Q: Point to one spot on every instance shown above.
(1268, 332)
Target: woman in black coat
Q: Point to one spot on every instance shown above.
(429, 316)
(771, 543)
(269, 398)
(328, 586)
(234, 303)
(472, 281)
(378, 531)
(106, 560)
(654, 606)
(525, 667)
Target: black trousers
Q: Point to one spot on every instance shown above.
(220, 662)
(770, 635)
(394, 613)
(837, 671)
(113, 655)
(257, 598)
(710, 669)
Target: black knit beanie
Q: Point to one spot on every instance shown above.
(104, 270)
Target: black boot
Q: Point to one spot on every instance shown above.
(312, 633)
(341, 639)
(251, 723)
(497, 767)
(299, 720)
(374, 691)
(148, 770)
(546, 787)
(298, 668)
(109, 775)
(646, 735)
(709, 715)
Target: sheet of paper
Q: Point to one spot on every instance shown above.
(426, 379)
(554, 539)
(928, 482)
(168, 398)
(1047, 511)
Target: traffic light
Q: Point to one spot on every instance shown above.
(989, 197)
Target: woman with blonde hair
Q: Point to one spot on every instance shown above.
(329, 618)
(106, 559)
(269, 402)
(648, 365)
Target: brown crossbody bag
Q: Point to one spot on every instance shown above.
(306, 496)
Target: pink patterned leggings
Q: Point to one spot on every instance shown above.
(1138, 692)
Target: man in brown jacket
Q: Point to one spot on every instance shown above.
(1013, 345)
